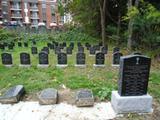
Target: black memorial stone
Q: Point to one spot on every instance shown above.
(43, 58)
(80, 58)
(57, 50)
(25, 44)
(104, 50)
(10, 46)
(45, 49)
(116, 49)
(62, 58)
(69, 50)
(92, 51)
(34, 50)
(6, 58)
(134, 75)
(80, 49)
(2, 47)
(116, 58)
(100, 58)
(19, 44)
(25, 59)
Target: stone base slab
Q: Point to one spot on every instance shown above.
(95, 65)
(25, 66)
(131, 104)
(114, 65)
(61, 66)
(80, 66)
(8, 66)
(42, 66)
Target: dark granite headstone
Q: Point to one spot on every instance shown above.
(116, 58)
(81, 49)
(80, 58)
(45, 49)
(79, 44)
(116, 49)
(62, 58)
(92, 51)
(69, 50)
(134, 75)
(25, 59)
(33, 42)
(104, 50)
(6, 58)
(100, 58)
(19, 44)
(25, 44)
(43, 58)
(34, 50)
(57, 50)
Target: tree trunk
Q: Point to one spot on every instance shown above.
(102, 5)
(130, 25)
(119, 28)
(130, 28)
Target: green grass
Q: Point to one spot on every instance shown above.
(101, 80)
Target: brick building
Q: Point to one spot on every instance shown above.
(31, 12)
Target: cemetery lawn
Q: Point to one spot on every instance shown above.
(101, 80)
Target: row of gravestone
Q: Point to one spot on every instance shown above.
(43, 59)
(49, 96)
(132, 94)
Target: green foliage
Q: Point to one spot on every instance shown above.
(7, 36)
(105, 93)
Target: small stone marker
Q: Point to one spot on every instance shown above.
(48, 96)
(133, 83)
(69, 50)
(62, 60)
(13, 95)
(34, 50)
(25, 60)
(81, 49)
(116, 58)
(116, 49)
(7, 59)
(80, 59)
(84, 98)
(43, 60)
(100, 58)
(104, 50)
(25, 44)
(19, 44)
(92, 51)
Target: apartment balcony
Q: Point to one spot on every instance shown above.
(34, 9)
(16, 16)
(34, 17)
(15, 8)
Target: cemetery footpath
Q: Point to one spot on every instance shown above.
(103, 83)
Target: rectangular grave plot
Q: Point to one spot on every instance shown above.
(134, 75)
(6, 58)
(25, 59)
